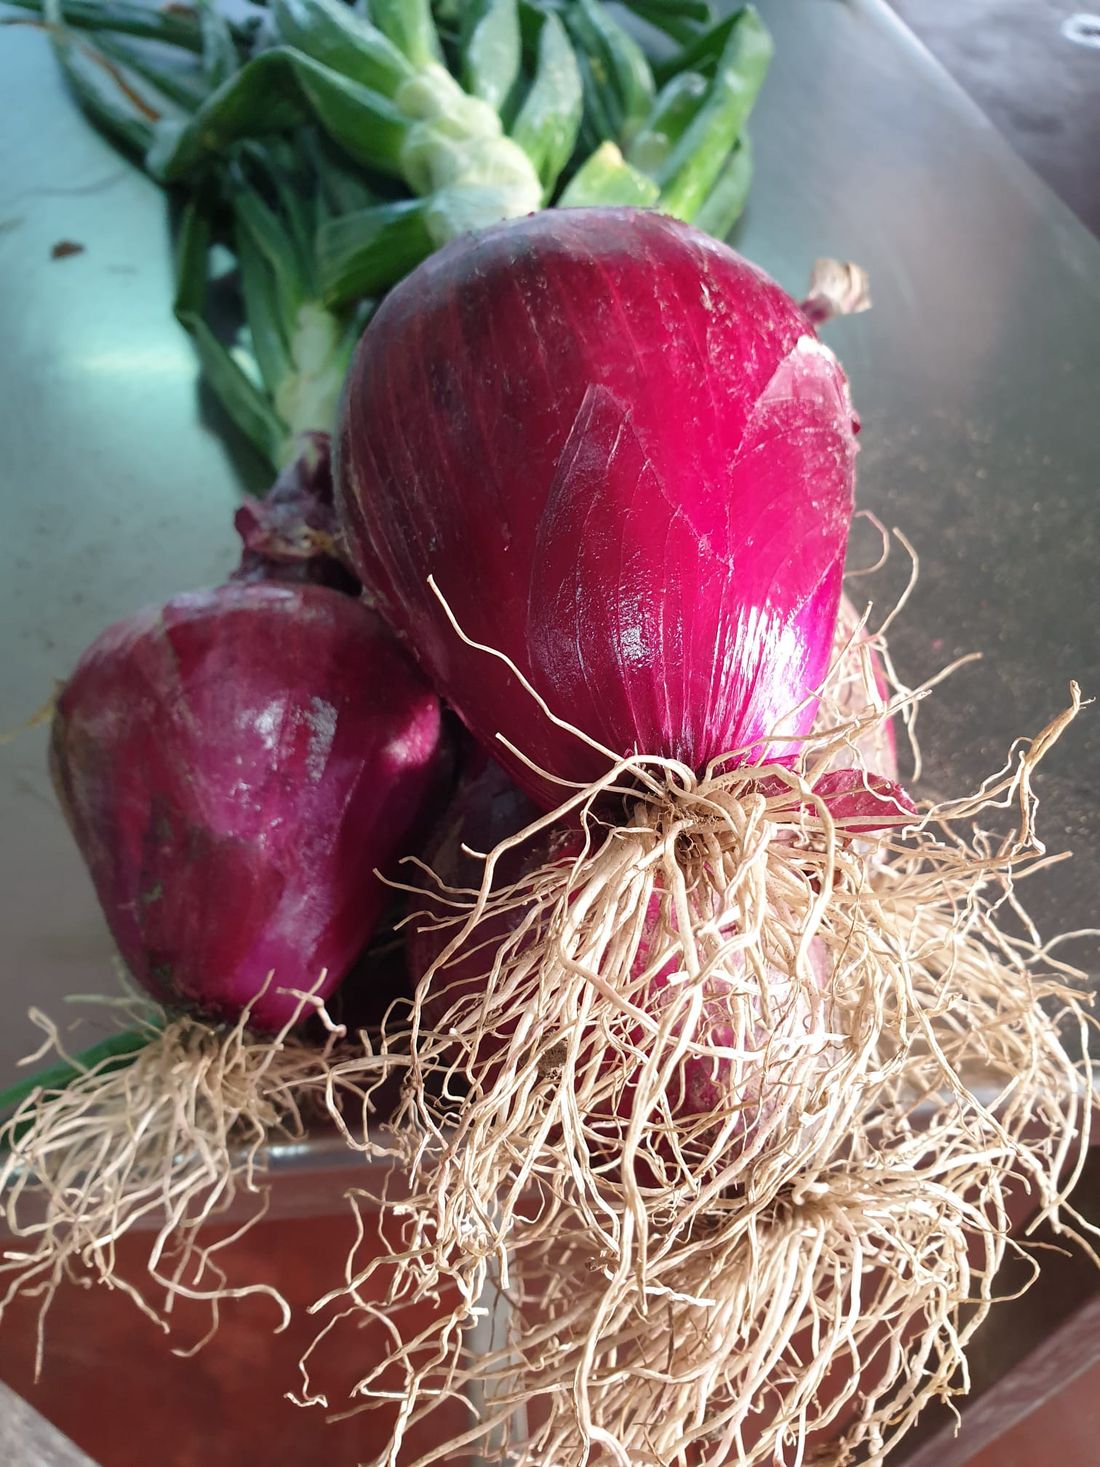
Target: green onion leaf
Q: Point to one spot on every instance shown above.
(182, 86)
(219, 54)
(624, 63)
(332, 33)
(489, 43)
(342, 188)
(675, 108)
(242, 400)
(266, 330)
(271, 239)
(689, 10)
(364, 253)
(279, 90)
(702, 53)
(607, 178)
(723, 206)
(409, 25)
(550, 118)
(102, 88)
(680, 30)
(692, 168)
(171, 27)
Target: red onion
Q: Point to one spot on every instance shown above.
(234, 766)
(487, 807)
(628, 462)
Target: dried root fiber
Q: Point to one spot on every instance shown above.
(170, 1140)
(730, 1119)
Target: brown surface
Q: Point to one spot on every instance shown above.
(112, 1384)
(1063, 1433)
(1034, 1345)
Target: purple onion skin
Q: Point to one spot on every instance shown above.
(485, 809)
(629, 465)
(233, 766)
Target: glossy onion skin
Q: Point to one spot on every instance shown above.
(233, 766)
(627, 461)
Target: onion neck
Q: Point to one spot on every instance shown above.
(306, 400)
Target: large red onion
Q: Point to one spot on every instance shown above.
(628, 462)
(234, 765)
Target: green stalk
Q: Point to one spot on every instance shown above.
(547, 125)
(276, 244)
(341, 188)
(131, 20)
(331, 33)
(685, 10)
(607, 178)
(244, 402)
(279, 90)
(677, 27)
(621, 60)
(272, 171)
(602, 108)
(219, 54)
(364, 253)
(266, 325)
(490, 46)
(674, 109)
(103, 92)
(409, 25)
(702, 52)
(113, 1053)
(185, 89)
(724, 204)
(694, 164)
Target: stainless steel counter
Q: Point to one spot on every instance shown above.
(976, 376)
(29, 1440)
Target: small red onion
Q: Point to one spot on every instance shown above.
(234, 765)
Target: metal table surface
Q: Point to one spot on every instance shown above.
(975, 375)
(29, 1440)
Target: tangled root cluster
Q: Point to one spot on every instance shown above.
(170, 1141)
(730, 1119)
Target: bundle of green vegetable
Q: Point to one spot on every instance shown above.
(723, 1065)
(331, 147)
